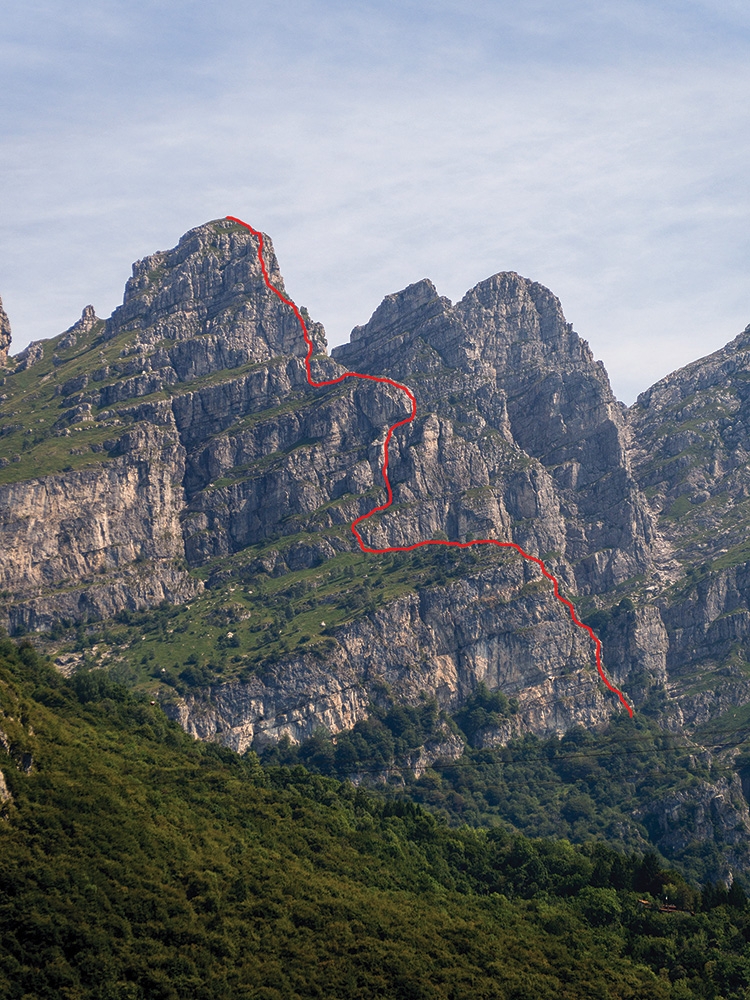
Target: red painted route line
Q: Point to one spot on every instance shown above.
(384, 469)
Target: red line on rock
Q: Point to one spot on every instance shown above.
(384, 469)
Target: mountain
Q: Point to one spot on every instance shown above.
(4, 334)
(691, 458)
(181, 434)
(175, 502)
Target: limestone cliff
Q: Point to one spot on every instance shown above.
(691, 436)
(505, 359)
(83, 544)
(691, 453)
(102, 531)
(178, 444)
(500, 628)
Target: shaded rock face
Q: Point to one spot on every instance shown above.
(691, 434)
(691, 456)
(637, 646)
(713, 812)
(4, 335)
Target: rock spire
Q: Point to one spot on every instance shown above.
(4, 334)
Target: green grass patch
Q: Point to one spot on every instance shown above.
(252, 620)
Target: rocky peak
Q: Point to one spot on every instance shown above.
(692, 435)
(4, 334)
(511, 320)
(401, 318)
(560, 403)
(501, 325)
(84, 325)
(211, 286)
(508, 343)
(410, 307)
(713, 370)
(502, 322)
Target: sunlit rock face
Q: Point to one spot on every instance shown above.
(206, 439)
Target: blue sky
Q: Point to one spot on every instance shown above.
(601, 148)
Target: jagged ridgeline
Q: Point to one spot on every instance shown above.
(175, 503)
(179, 443)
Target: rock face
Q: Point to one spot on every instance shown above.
(179, 440)
(691, 433)
(494, 628)
(691, 437)
(85, 325)
(30, 355)
(83, 545)
(208, 301)
(504, 361)
(4, 335)
(713, 812)
(5, 796)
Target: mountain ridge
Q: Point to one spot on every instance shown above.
(189, 409)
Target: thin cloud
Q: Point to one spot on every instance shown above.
(379, 144)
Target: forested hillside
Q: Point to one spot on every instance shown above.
(630, 784)
(137, 863)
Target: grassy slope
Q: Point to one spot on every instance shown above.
(137, 863)
(248, 619)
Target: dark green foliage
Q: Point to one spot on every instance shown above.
(137, 863)
(601, 620)
(483, 709)
(386, 737)
(583, 785)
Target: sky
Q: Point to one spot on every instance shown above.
(600, 147)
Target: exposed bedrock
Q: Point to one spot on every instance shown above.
(206, 438)
(503, 628)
